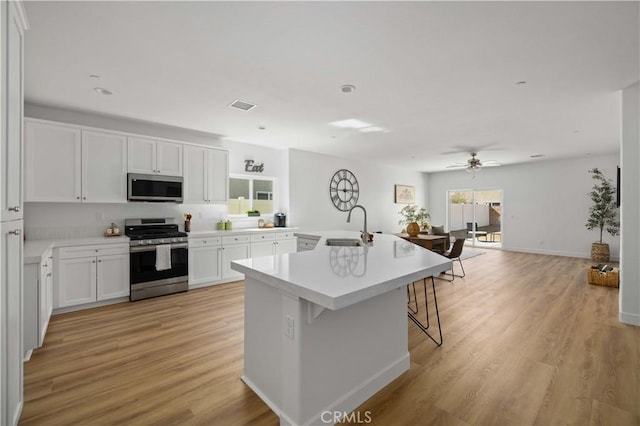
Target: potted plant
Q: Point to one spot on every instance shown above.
(415, 218)
(253, 213)
(602, 214)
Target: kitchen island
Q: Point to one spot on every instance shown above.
(326, 329)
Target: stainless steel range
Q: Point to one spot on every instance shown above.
(159, 259)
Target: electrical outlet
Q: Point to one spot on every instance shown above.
(289, 328)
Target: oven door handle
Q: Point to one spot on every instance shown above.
(139, 249)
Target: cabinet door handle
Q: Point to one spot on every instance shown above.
(14, 232)
(49, 274)
(84, 198)
(14, 209)
(93, 261)
(77, 198)
(100, 261)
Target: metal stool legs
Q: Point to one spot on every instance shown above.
(452, 274)
(412, 313)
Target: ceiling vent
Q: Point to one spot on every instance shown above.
(243, 105)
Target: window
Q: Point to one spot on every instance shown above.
(248, 193)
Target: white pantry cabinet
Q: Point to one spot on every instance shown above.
(150, 156)
(206, 175)
(65, 163)
(13, 23)
(11, 321)
(85, 274)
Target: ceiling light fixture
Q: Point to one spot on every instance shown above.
(348, 88)
(103, 91)
(351, 123)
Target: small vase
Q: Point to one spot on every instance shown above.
(187, 226)
(413, 229)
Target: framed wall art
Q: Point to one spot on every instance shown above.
(405, 194)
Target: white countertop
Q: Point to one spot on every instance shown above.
(336, 277)
(33, 249)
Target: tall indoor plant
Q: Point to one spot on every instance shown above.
(416, 218)
(602, 214)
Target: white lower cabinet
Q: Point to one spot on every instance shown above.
(273, 243)
(234, 247)
(204, 260)
(38, 300)
(85, 274)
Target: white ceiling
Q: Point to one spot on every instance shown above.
(440, 76)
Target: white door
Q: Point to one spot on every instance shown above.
(204, 264)
(233, 252)
(113, 276)
(169, 158)
(53, 157)
(141, 155)
(104, 167)
(11, 319)
(218, 176)
(195, 166)
(76, 281)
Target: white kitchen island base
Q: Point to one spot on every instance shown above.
(310, 369)
(326, 329)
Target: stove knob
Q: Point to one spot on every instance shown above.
(175, 240)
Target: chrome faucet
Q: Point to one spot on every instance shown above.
(365, 235)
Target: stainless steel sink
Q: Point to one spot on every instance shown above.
(349, 242)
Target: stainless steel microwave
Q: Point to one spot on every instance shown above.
(154, 188)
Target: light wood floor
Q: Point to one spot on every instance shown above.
(526, 341)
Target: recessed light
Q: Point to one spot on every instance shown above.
(348, 88)
(537, 156)
(521, 83)
(94, 76)
(576, 131)
(102, 91)
(351, 123)
(262, 128)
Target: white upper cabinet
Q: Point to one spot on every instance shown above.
(67, 164)
(205, 175)
(150, 156)
(104, 167)
(53, 157)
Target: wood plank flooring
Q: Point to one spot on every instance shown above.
(526, 342)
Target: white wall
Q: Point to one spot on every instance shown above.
(311, 207)
(545, 204)
(66, 220)
(630, 206)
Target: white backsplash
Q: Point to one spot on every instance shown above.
(77, 220)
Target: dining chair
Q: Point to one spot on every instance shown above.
(454, 254)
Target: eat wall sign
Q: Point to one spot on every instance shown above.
(252, 167)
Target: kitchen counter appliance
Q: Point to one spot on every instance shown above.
(149, 238)
(280, 220)
(154, 188)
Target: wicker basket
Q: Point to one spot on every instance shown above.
(608, 279)
(600, 252)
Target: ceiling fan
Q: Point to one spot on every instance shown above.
(474, 164)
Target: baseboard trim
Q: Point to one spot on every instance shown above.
(581, 255)
(627, 318)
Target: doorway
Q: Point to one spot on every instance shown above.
(476, 215)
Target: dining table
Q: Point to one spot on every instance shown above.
(435, 243)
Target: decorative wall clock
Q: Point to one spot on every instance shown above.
(344, 190)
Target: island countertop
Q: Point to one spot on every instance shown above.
(335, 277)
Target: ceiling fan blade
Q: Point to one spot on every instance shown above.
(491, 164)
(456, 166)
